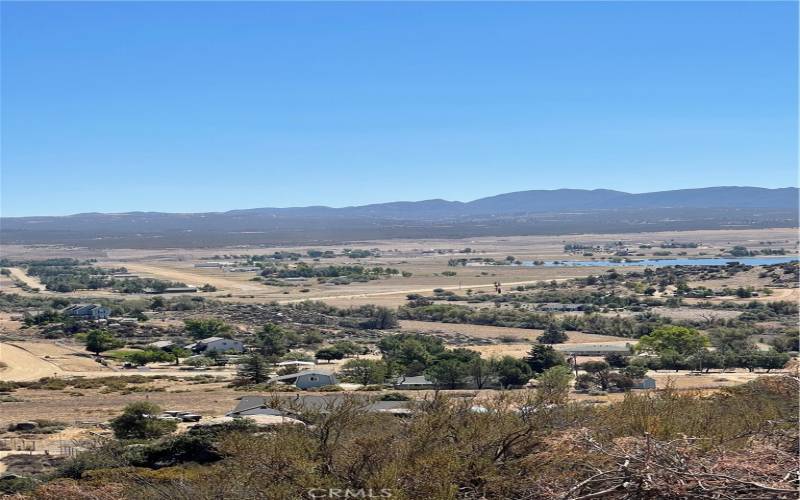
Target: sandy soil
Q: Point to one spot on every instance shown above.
(26, 361)
(31, 281)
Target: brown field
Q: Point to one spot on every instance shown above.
(31, 359)
(411, 256)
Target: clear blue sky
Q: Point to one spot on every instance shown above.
(202, 107)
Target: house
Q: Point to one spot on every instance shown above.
(87, 311)
(307, 379)
(216, 344)
(161, 344)
(421, 382)
(644, 383)
(298, 364)
(594, 349)
(417, 382)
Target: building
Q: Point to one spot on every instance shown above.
(422, 382)
(216, 344)
(644, 383)
(417, 382)
(307, 379)
(161, 344)
(298, 364)
(594, 349)
(87, 311)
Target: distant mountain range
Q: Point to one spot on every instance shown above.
(522, 212)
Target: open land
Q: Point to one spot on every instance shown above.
(425, 269)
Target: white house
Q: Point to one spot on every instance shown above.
(216, 344)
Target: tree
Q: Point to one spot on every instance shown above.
(599, 370)
(553, 334)
(410, 353)
(634, 371)
(681, 340)
(616, 360)
(98, 341)
(585, 382)
(449, 372)
(177, 353)
(731, 339)
(140, 420)
(329, 354)
(772, 359)
(542, 357)
(364, 371)
(620, 381)
(480, 370)
(142, 357)
(207, 327)
(349, 348)
(705, 360)
(553, 385)
(512, 371)
(273, 340)
(254, 369)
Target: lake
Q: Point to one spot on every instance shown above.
(688, 261)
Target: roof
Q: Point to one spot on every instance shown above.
(294, 363)
(614, 347)
(305, 372)
(161, 344)
(213, 339)
(261, 404)
(417, 380)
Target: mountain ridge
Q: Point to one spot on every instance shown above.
(527, 201)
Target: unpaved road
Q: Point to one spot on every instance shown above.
(31, 281)
(416, 290)
(193, 277)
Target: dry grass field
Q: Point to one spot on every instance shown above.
(34, 358)
(417, 257)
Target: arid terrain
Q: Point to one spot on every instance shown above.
(50, 375)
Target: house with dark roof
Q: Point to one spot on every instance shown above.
(87, 311)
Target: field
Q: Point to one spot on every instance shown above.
(420, 258)
(245, 300)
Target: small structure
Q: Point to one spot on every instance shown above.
(417, 382)
(298, 364)
(307, 379)
(644, 383)
(87, 311)
(216, 344)
(161, 344)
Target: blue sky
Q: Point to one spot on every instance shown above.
(202, 106)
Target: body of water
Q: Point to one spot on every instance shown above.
(687, 261)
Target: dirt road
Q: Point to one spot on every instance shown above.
(193, 276)
(416, 290)
(31, 281)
